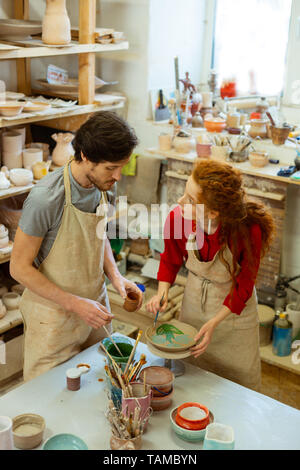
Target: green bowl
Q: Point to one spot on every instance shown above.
(187, 434)
(65, 442)
(125, 346)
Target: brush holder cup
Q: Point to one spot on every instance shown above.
(125, 346)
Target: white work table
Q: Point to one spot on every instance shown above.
(259, 422)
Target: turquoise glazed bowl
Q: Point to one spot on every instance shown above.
(186, 434)
(65, 442)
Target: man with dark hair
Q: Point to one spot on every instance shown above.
(60, 250)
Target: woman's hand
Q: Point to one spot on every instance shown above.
(123, 286)
(154, 304)
(206, 332)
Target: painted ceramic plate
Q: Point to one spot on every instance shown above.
(172, 336)
(65, 442)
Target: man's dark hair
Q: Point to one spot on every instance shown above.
(104, 137)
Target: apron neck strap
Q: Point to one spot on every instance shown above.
(67, 184)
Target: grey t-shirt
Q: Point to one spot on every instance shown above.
(44, 206)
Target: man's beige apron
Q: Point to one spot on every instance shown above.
(75, 264)
(234, 349)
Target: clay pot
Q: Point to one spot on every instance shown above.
(233, 120)
(258, 128)
(12, 142)
(63, 150)
(12, 160)
(184, 144)
(56, 23)
(280, 134)
(31, 156)
(11, 300)
(125, 444)
(73, 379)
(258, 159)
(165, 142)
(131, 302)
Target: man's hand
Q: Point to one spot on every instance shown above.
(91, 312)
(123, 286)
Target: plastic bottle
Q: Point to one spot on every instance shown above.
(282, 336)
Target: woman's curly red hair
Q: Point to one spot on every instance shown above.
(222, 191)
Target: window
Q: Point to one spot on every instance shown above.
(250, 44)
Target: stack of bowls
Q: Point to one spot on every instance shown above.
(190, 420)
(161, 380)
(12, 144)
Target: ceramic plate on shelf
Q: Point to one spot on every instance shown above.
(13, 27)
(71, 86)
(171, 336)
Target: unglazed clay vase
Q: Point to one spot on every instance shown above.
(56, 23)
(63, 150)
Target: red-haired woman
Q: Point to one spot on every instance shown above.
(220, 298)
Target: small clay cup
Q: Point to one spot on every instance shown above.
(131, 302)
(73, 384)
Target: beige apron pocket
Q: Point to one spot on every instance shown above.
(244, 323)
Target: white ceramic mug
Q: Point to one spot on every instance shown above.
(207, 97)
(6, 437)
(31, 156)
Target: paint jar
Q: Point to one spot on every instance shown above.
(140, 398)
(294, 317)
(131, 302)
(6, 436)
(125, 346)
(266, 317)
(282, 336)
(73, 379)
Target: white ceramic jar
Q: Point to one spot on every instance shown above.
(12, 142)
(56, 23)
(31, 156)
(12, 159)
(11, 300)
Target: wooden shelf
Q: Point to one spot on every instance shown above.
(14, 191)
(75, 111)
(26, 51)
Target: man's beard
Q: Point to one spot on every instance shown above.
(105, 186)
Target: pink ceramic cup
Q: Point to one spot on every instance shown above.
(139, 399)
(203, 150)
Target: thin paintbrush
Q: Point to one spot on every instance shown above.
(133, 351)
(112, 340)
(160, 305)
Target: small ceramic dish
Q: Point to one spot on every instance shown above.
(192, 416)
(218, 437)
(11, 300)
(21, 176)
(65, 442)
(161, 379)
(215, 126)
(11, 108)
(28, 430)
(187, 434)
(36, 106)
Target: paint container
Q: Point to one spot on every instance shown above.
(6, 436)
(161, 380)
(125, 346)
(73, 379)
(218, 437)
(282, 336)
(266, 317)
(131, 302)
(139, 399)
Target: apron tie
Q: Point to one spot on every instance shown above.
(204, 290)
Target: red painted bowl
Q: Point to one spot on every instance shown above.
(189, 416)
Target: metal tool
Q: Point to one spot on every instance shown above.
(160, 305)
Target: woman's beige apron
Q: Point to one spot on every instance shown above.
(75, 264)
(234, 349)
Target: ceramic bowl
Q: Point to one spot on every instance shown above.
(11, 108)
(163, 402)
(258, 159)
(215, 126)
(21, 176)
(218, 437)
(28, 430)
(187, 434)
(36, 106)
(65, 442)
(11, 300)
(161, 379)
(4, 242)
(171, 336)
(192, 416)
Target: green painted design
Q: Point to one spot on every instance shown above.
(169, 331)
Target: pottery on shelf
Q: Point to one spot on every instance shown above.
(40, 169)
(42, 146)
(4, 182)
(11, 300)
(183, 142)
(4, 242)
(258, 159)
(12, 142)
(21, 176)
(18, 289)
(63, 150)
(56, 23)
(258, 128)
(22, 131)
(31, 156)
(5, 170)
(11, 108)
(24, 28)
(12, 160)
(2, 310)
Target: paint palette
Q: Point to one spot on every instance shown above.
(172, 336)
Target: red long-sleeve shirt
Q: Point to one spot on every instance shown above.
(175, 254)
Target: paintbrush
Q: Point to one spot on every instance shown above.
(160, 305)
(108, 373)
(133, 351)
(137, 367)
(112, 340)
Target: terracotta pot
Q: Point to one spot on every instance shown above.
(12, 159)
(203, 150)
(125, 444)
(31, 156)
(63, 150)
(131, 302)
(12, 142)
(258, 128)
(258, 159)
(56, 23)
